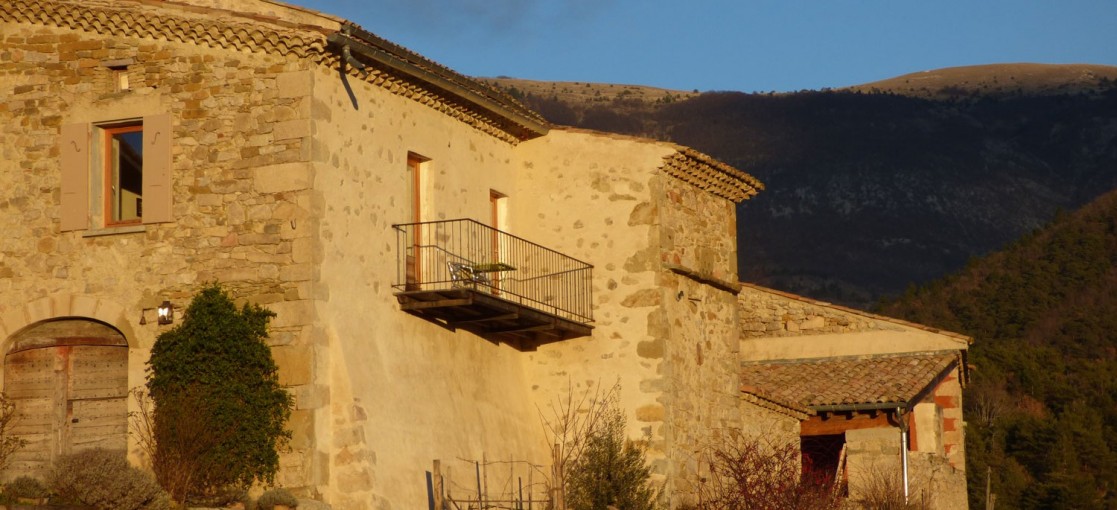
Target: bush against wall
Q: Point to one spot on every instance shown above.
(214, 383)
(272, 498)
(25, 487)
(752, 473)
(596, 466)
(611, 472)
(103, 479)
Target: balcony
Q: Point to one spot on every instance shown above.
(464, 274)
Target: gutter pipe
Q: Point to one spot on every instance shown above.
(900, 417)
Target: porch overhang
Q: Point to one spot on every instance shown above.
(491, 317)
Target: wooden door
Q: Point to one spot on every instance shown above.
(68, 398)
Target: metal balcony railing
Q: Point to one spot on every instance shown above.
(463, 253)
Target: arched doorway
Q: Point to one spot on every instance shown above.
(68, 379)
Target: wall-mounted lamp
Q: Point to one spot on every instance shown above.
(166, 313)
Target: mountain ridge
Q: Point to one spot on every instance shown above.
(869, 192)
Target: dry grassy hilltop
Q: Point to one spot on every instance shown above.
(994, 79)
(586, 92)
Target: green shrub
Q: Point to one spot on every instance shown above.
(219, 411)
(26, 487)
(612, 471)
(104, 480)
(278, 496)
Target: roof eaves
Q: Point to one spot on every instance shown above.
(528, 124)
(709, 174)
(760, 398)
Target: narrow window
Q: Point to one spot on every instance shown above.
(124, 161)
(414, 178)
(498, 204)
(416, 242)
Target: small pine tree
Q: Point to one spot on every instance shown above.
(612, 470)
(215, 369)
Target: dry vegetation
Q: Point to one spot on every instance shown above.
(586, 93)
(994, 79)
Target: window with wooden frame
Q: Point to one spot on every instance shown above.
(123, 174)
(116, 174)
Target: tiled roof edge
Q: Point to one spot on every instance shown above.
(709, 174)
(947, 361)
(759, 398)
(511, 109)
(274, 36)
(823, 359)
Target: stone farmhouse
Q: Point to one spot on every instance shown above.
(444, 265)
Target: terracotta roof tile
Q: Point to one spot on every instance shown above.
(711, 175)
(247, 32)
(848, 381)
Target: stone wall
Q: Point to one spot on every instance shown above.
(698, 231)
(287, 178)
(776, 325)
(933, 482)
(873, 461)
(664, 291)
(239, 180)
(876, 472)
(591, 196)
(775, 314)
(702, 401)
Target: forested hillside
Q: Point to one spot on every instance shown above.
(868, 192)
(1041, 411)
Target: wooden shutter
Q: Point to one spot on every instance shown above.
(157, 169)
(75, 177)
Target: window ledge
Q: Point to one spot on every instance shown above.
(109, 231)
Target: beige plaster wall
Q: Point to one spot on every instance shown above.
(404, 391)
(590, 196)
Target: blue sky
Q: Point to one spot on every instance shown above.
(742, 45)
